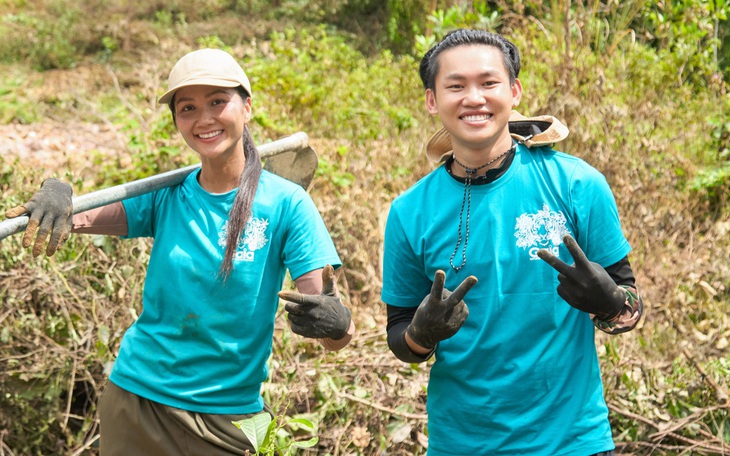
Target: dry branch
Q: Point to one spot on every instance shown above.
(714, 444)
(720, 393)
(413, 416)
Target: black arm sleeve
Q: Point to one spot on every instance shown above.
(398, 320)
(621, 272)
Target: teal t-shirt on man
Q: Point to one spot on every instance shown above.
(521, 376)
(202, 344)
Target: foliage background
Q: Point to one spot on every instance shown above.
(641, 84)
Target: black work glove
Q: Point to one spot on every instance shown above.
(441, 313)
(586, 285)
(51, 209)
(318, 316)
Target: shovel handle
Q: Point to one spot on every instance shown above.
(83, 203)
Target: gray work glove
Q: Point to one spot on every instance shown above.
(441, 313)
(49, 210)
(586, 285)
(318, 316)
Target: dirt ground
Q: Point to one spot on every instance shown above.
(53, 145)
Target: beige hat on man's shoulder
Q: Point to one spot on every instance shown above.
(533, 131)
(211, 67)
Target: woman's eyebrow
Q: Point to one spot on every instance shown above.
(207, 95)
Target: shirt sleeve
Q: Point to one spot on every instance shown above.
(404, 278)
(598, 227)
(140, 213)
(308, 245)
(404, 286)
(600, 235)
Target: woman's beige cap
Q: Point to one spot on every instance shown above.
(211, 67)
(539, 131)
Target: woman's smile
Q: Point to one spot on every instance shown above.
(210, 135)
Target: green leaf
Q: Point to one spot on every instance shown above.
(104, 334)
(255, 428)
(306, 443)
(301, 423)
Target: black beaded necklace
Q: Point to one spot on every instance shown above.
(466, 202)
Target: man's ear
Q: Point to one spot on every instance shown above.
(516, 92)
(431, 102)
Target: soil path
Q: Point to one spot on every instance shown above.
(54, 145)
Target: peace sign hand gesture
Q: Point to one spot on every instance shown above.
(586, 285)
(441, 313)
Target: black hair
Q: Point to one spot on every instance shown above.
(247, 184)
(429, 66)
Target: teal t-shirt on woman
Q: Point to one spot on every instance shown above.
(202, 344)
(521, 376)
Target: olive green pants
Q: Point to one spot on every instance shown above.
(132, 425)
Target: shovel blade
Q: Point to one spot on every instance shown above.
(298, 166)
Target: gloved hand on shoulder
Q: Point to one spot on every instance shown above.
(50, 211)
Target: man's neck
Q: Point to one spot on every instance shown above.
(475, 164)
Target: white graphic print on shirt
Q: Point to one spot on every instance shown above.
(542, 230)
(253, 238)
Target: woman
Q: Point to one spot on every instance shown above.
(195, 359)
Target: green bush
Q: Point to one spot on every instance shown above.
(14, 106)
(311, 79)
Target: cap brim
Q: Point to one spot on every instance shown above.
(515, 116)
(439, 146)
(167, 96)
(537, 131)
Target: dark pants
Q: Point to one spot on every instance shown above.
(132, 425)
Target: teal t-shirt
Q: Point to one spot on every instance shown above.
(522, 375)
(200, 344)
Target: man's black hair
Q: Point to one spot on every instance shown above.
(429, 67)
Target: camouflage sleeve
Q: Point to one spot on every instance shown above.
(629, 316)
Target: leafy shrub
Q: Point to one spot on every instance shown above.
(14, 106)
(314, 79)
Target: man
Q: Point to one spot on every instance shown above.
(516, 370)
